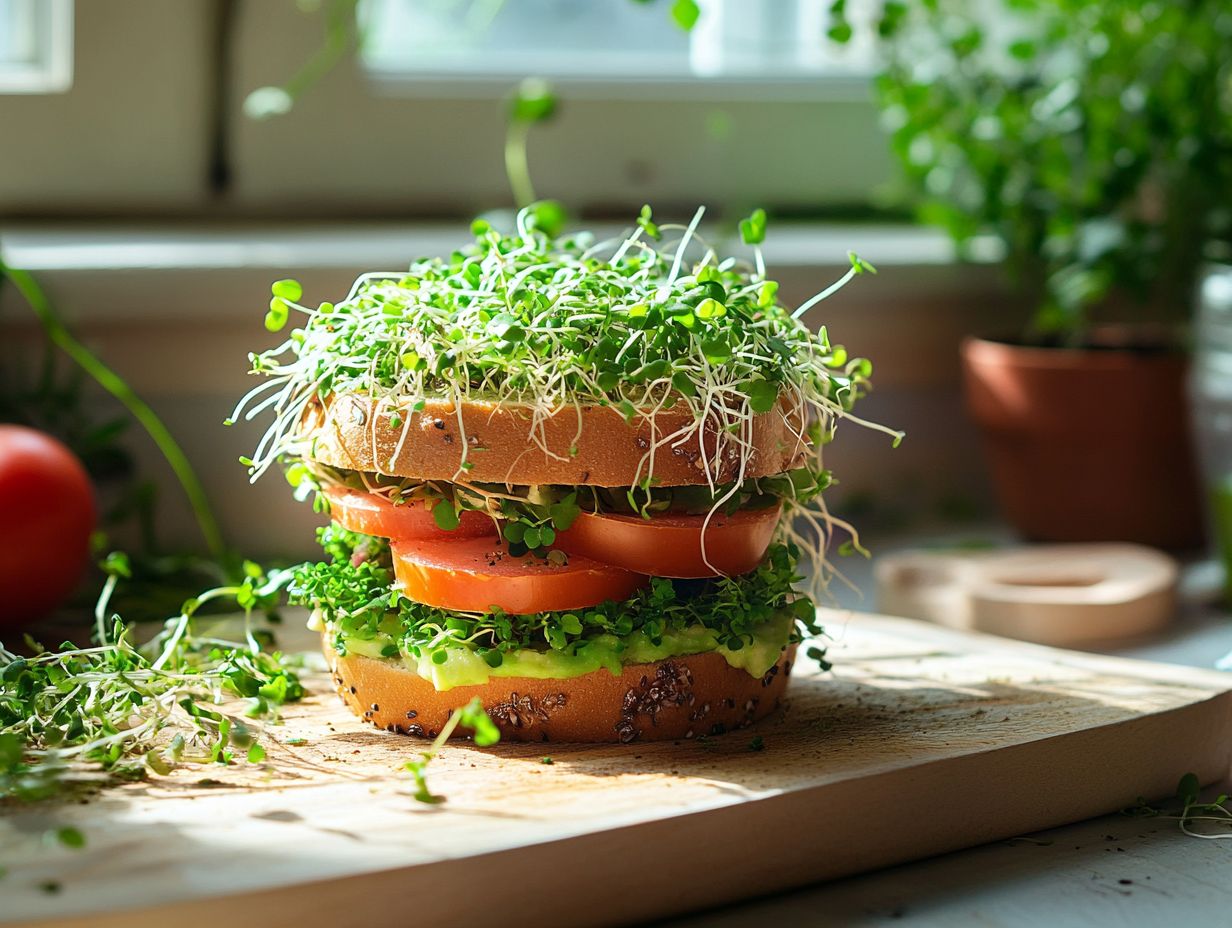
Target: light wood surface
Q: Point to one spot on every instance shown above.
(1073, 595)
(922, 740)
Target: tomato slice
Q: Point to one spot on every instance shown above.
(371, 514)
(477, 574)
(670, 545)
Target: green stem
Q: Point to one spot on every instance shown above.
(341, 32)
(100, 610)
(106, 378)
(517, 167)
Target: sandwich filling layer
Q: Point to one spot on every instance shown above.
(748, 619)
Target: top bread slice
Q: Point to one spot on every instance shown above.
(495, 442)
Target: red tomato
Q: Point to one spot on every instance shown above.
(670, 545)
(371, 514)
(476, 574)
(46, 518)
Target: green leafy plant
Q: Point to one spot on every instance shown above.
(1093, 139)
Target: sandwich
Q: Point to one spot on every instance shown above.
(578, 480)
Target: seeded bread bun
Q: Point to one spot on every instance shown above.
(680, 697)
(359, 433)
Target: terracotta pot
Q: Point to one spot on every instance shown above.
(1087, 444)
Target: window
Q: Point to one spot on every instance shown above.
(561, 38)
(36, 46)
(754, 106)
(615, 41)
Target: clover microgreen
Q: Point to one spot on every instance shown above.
(686, 13)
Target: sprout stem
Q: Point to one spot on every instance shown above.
(517, 166)
(834, 287)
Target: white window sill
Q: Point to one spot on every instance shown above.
(130, 272)
(41, 247)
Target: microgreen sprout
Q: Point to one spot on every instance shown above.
(1215, 814)
(343, 32)
(116, 710)
(472, 716)
(532, 102)
(753, 232)
(68, 837)
(685, 13)
(858, 266)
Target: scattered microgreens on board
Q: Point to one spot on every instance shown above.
(471, 716)
(115, 710)
(1192, 812)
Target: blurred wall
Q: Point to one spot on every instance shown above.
(133, 132)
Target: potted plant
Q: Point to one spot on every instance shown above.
(1095, 141)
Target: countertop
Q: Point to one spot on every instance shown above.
(1115, 870)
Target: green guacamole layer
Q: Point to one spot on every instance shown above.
(462, 666)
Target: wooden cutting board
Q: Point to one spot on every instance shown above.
(922, 740)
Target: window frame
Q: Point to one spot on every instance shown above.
(51, 69)
(712, 72)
